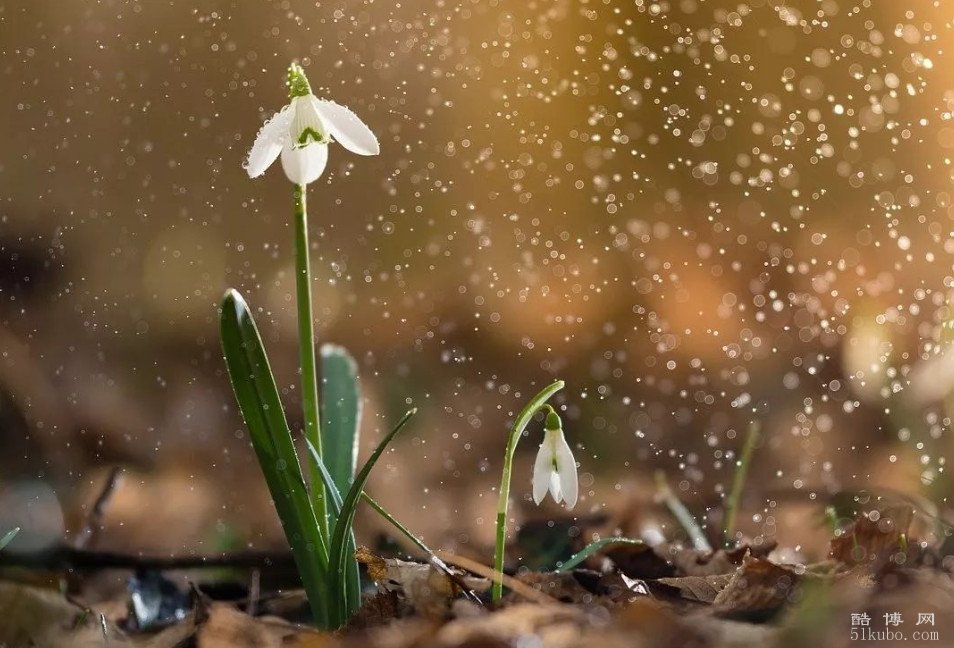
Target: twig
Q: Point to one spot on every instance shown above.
(681, 513)
(94, 520)
(254, 592)
(66, 557)
(482, 570)
(738, 482)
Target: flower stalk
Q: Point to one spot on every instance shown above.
(503, 504)
(306, 350)
(317, 517)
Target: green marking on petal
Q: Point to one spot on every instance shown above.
(310, 135)
(298, 85)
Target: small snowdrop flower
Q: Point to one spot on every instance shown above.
(555, 467)
(302, 131)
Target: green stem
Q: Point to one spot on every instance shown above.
(306, 347)
(738, 482)
(519, 424)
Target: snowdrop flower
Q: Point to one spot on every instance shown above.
(555, 467)
(301, 132)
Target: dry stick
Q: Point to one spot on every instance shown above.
(486, 572)
(94, 519)
(65, 557)
(254, 592)
(738, 482)
(681, 513)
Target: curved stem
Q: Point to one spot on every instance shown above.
(306, 349)
(519, 424)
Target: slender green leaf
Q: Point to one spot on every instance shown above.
(8, 537)
(738, 481)
(337, 552)
(591, 549)
(258, 399)
(432, 558)
(681, 513)
(341, 402)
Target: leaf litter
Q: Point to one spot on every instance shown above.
(623, 595)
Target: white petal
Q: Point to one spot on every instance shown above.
(347, 128)
(555, 490)
(268, 143)
(541, 472)
(566, 466)
(304, 164)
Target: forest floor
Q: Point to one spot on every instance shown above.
(878, 583)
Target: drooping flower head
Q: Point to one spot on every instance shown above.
(302, 130)
(555, 467)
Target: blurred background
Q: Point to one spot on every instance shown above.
(697, 213)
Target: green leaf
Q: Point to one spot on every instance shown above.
(8, 537)
(258, 399)
(591, 549)
(352, 583)
(681, 513)
(337, 554)
(341, 418)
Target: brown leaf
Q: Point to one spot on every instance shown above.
(428, 590)
(756, 591)
(379, 609)
(701, 589)
(553, 626)
(38, 617)
(640, 561)
(695, 562)
(583, 587)
(871, 535)
(563, 586)
(226, 627)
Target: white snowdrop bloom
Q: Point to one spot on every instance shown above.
(302, 131)
(555, 467)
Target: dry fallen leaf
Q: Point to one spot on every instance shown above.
(226, 627)
(640, 561)
(530, 623)
(701, 589)
(39, 617)
(427, 590)
(756, 591)
(695, 562)
(871, 534)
